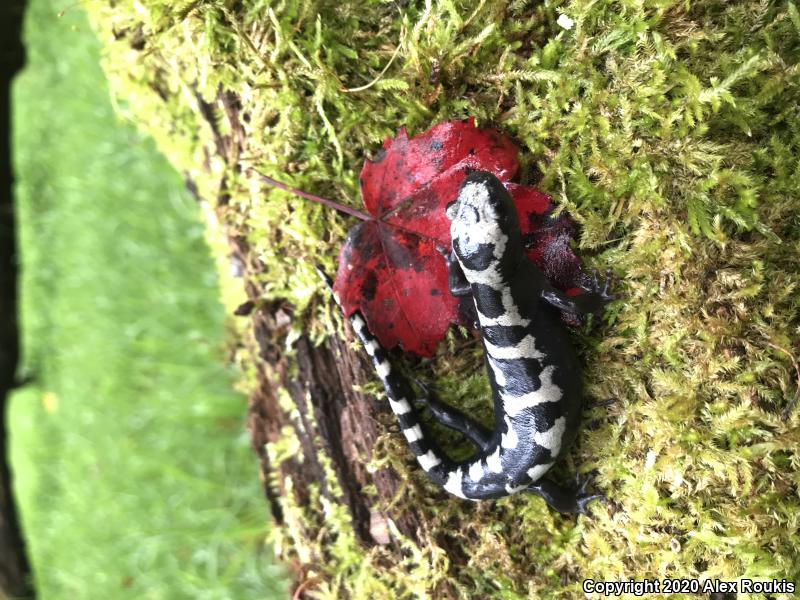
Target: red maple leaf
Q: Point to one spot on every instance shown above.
(391, 268)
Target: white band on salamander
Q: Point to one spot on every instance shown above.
(400, 407)
(428, 460)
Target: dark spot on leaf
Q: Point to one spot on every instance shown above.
(436, 145)
(400, 255)
(370, 286)
(359, 244)
(472, 151)
(435, 292)
(379, 156)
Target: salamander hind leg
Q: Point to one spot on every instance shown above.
(454, 419)
(563, 499)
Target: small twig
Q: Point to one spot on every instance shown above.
(353, 212)
(302, 587)
(794, 400)
(383, 72)
(248, 42)
(475, 12)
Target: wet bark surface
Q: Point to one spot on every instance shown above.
(334, 422)
(330, 418)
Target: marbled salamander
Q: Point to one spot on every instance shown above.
(533, 370)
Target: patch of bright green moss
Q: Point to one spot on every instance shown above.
(669, 130)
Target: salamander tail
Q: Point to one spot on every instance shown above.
(401, 394)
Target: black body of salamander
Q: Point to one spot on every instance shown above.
(533, 370)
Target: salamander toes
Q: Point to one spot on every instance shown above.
(566, 500)
(602, 288)
(582, 496)
(583, 501)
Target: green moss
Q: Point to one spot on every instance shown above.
(669, 130)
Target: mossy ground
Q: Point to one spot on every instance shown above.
(668, 129)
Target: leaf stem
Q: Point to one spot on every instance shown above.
(386, 68)
(353, 212)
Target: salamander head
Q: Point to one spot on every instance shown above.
(484, 225)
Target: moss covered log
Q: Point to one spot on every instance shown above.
(669, 130)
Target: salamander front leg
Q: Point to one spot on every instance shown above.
(456, 280)
(597, 293)
(460, 288)
(454, 419)
(565, 500)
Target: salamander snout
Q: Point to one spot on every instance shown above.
(482, 219)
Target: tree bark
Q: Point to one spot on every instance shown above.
(332, 420)
(336, 424)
